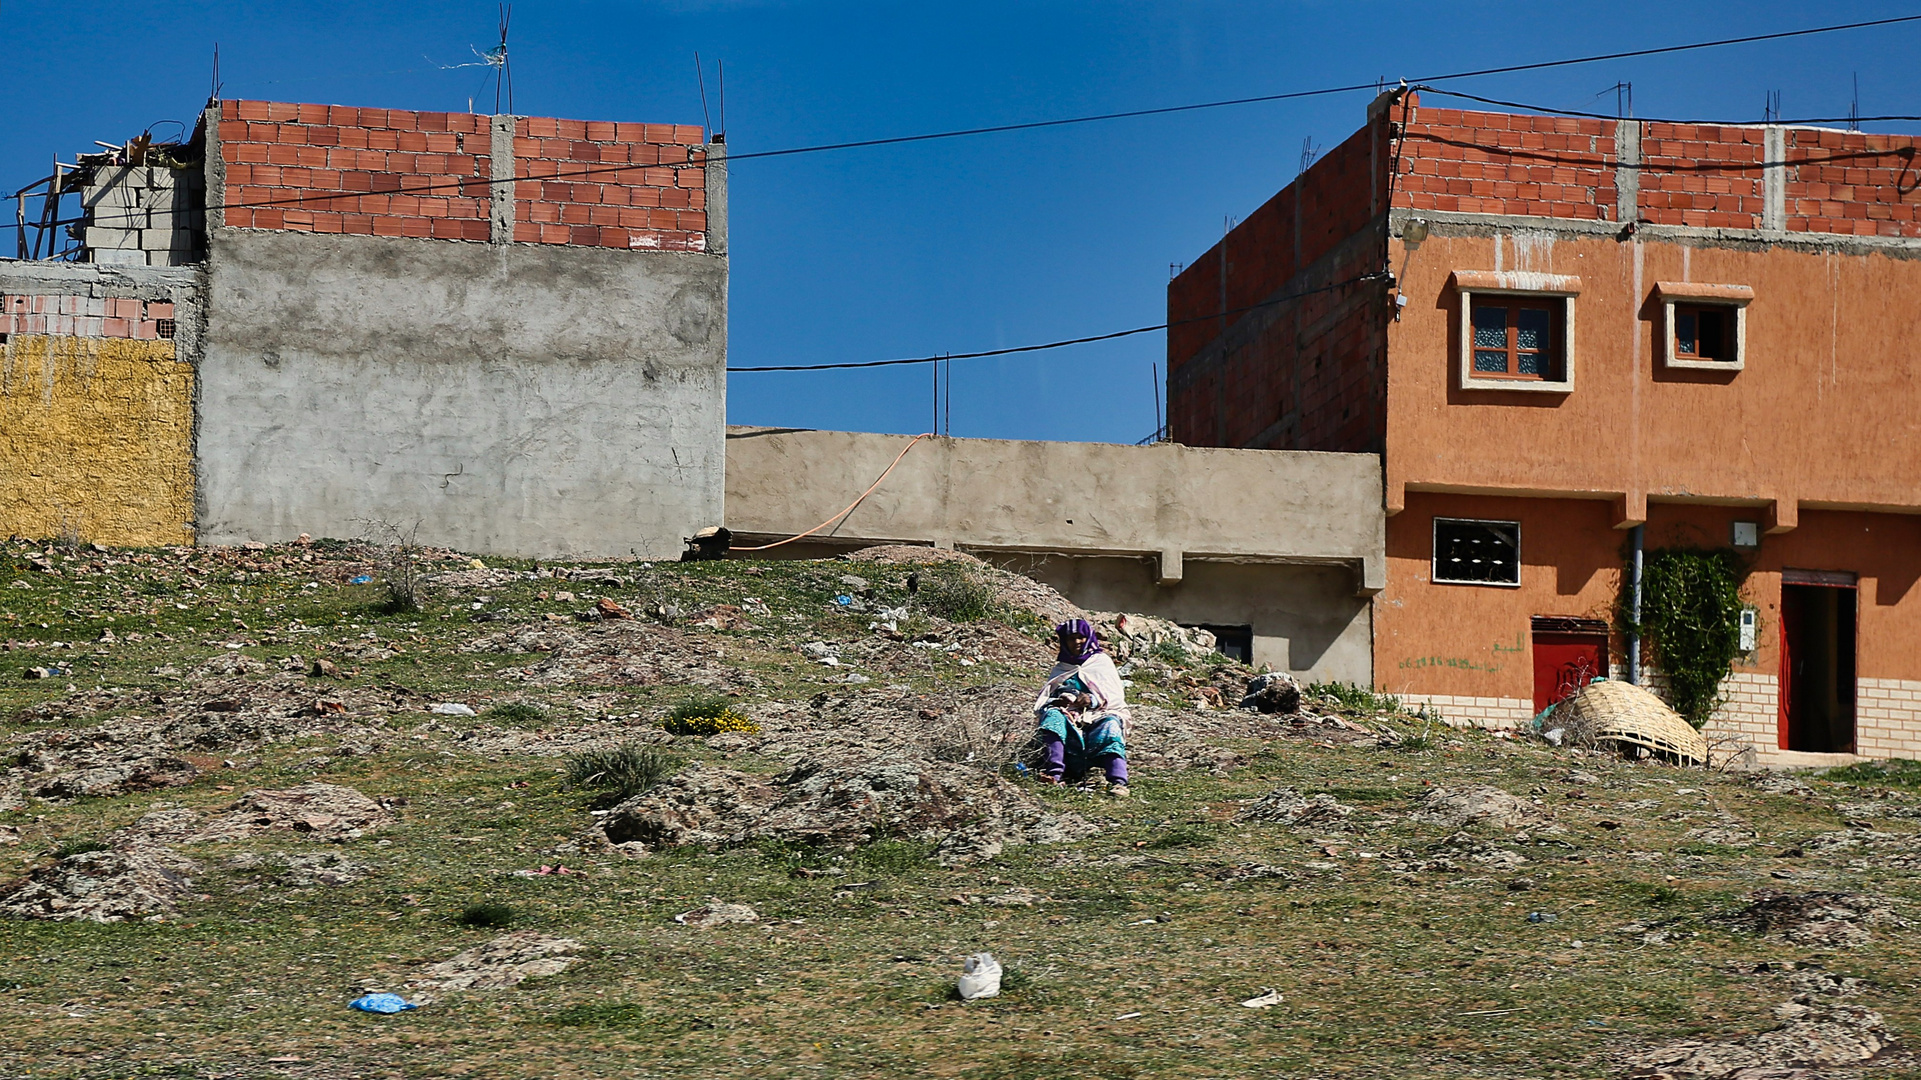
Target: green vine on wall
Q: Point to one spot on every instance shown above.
(1691, 615)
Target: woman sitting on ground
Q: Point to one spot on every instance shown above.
(1083, 712)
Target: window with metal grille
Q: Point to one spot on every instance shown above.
(1469, 552)
(163, 327)
(1516, 339)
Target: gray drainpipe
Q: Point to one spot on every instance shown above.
(1634, 611)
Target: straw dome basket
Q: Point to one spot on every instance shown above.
(1623, 713)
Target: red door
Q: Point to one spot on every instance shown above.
(1563, 663)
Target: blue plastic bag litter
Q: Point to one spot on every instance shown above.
(382, 1003)
(361, 580)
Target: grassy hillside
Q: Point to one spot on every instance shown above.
(1588, 917)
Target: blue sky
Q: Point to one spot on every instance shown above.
(960, 245)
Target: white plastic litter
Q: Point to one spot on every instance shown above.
(981, 977)
(451, 708)
(1265, 1001)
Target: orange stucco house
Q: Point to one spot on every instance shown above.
(1569, 336)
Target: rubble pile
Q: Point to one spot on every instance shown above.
(111, 885)
(1820, 1033)
(1820, 919)
(316, 811)
(840, 803)
(1287, 807)
(506, 961)
(1476, 805)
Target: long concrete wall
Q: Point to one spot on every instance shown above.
(1288, 543)
(540, 400)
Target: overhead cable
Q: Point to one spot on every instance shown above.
(595, 170)
(1377, 276)
(1554, 111)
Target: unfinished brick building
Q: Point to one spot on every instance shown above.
(1570, 336)
(309, 318)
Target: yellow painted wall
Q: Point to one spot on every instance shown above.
(96, 440)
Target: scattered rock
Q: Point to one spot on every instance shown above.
(303, 869)
(452, 708)
(505, 961)
(1476, 805)
(1274, 692)
(319, 811)
(1286, 806)
(104, 886)
(715, 913)
(610, 610)
(1821, 919)
(1820, 1034)
(105, 772)
(840, 803)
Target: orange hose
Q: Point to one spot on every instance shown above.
(850, 506)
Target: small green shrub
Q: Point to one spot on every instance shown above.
(1660, 895)
(619, 772)
(1894, 773)
(708, 715)
(517, 712)
(485, 915)
(956, 596)
(1172, 652)
(1353, 698)
(77, 847)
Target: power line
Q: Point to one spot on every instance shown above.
(1553, 111)
(1102, 117)
(1070, 341)
(1297, 94)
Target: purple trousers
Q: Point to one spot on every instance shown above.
(1054, 760)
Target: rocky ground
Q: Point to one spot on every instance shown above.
(244, 787)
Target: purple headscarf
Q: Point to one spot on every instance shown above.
(1090, 645)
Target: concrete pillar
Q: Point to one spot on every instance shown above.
(1170, 567)
(1774, 178)
(216, 168)
(1627, 170)
(501, 213)
(716, 198)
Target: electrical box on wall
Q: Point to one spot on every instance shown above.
(1747, 534)
(1750, 628)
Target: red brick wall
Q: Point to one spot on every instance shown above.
(1700, 175)
(393, 172)
(1495, 163)
(574, 197)
(1862, 185)
(1299, 374)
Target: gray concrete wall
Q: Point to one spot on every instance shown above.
(510, 398)
(1290, 543)
(1306, 619)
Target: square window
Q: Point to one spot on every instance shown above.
(1468, 552)
(1706, 325)
(1517, 330)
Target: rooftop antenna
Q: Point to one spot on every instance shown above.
(720, 71)
(700, 77)
(1854, 107)
(497, 56)
(213, 87)
(1773, 110)
(1308, 153)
